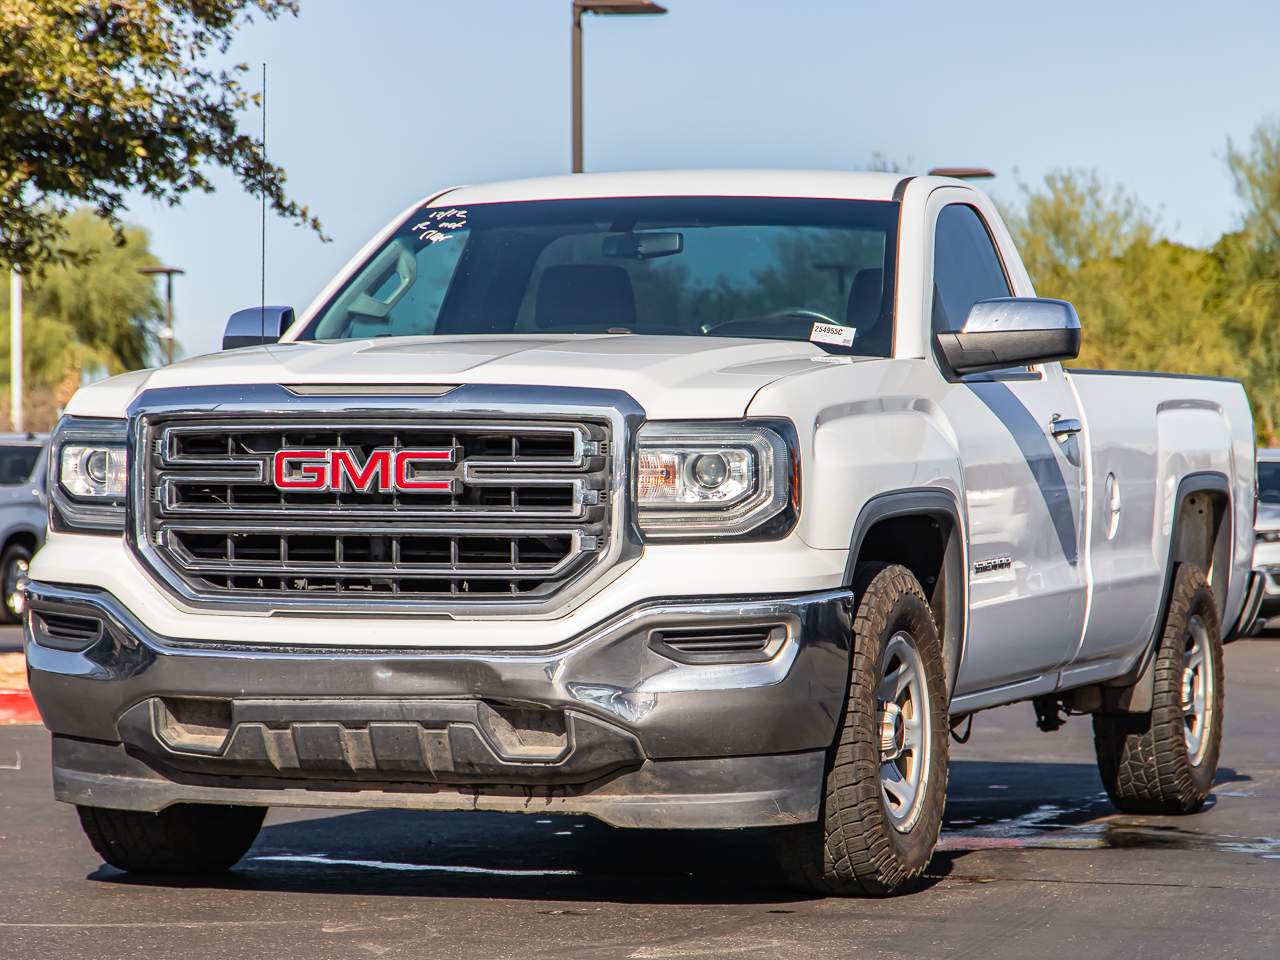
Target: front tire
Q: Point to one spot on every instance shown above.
(186, 839)
(886, 773)
(1164, 761)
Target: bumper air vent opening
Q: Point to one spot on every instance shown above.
(525, 734)
(194, 724)
(724, 643)
(65, 631)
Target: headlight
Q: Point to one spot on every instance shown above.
(92, 470)
(88, 471)
(719, 479)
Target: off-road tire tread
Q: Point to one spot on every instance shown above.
(1143, 758)
(183, 839)
(847, 852)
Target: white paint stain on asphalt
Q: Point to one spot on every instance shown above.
(322, 860)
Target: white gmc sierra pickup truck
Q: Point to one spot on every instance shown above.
(682, 500)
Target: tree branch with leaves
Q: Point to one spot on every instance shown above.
(101, 99)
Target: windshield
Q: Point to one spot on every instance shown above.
(786, 269)
(16, 464)
(1269, 481)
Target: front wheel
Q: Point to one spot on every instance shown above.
(187, 838)
(1164, 761)
(886, 773)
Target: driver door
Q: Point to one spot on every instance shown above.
(1023, 482)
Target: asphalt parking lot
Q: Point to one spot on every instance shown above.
(1034, 863)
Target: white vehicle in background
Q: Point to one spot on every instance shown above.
(681, 500)
(1266, 551)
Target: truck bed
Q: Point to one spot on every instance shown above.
(1147, 433)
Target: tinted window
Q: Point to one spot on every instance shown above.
(769, 268)
(16, 464)
(1269, 481)
(966, 268)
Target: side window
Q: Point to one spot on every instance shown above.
(966, 267)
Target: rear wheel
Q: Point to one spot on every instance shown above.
(188, 838)
(886, 773)
(1164, 761)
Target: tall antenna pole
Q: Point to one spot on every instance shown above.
(262, 302)
(15, 350)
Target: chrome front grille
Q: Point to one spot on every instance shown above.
(527, 511)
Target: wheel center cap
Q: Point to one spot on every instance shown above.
(893, 731)
(1188, 688)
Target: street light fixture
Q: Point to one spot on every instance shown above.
(962, 173)
(608, 8)
(168, 273)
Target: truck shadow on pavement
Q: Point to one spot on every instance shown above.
(563, 858)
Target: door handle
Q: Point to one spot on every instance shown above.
(1064, 427)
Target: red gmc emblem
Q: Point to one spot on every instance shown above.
(338, 470)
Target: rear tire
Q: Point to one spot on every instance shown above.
(1164, 761)
(188, 838)
(886, 774)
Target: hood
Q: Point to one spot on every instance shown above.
(670, 377)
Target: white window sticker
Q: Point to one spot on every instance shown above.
(432, 229)
(833, 333)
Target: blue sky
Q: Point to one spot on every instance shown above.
(374, 103)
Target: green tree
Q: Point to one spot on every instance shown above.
(93, 311)
(1074, 218)
(1249, 262)
(1150, 308)
(99, 98)
(1148, 303)
(1144, 301)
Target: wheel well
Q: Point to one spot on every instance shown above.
(927, 544)
(25, 538)
(1202, 536)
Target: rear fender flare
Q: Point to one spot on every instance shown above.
(1132, 692)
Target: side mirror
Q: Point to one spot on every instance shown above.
(256, 325)
(1011, 332)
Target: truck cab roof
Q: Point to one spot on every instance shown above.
(827, 184)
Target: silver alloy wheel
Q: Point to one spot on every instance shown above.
(1198, 688)
(902, 714)
(15, 585)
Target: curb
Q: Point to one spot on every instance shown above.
(16, 706)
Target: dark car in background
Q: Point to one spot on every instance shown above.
(23, 515)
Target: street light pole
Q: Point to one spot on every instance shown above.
(15, 351)
(577, 88)
(167, 334)
(608, 7)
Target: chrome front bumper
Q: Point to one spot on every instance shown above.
(610, 723)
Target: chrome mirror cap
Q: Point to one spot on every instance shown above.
(256, 325)
(1012, 331)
